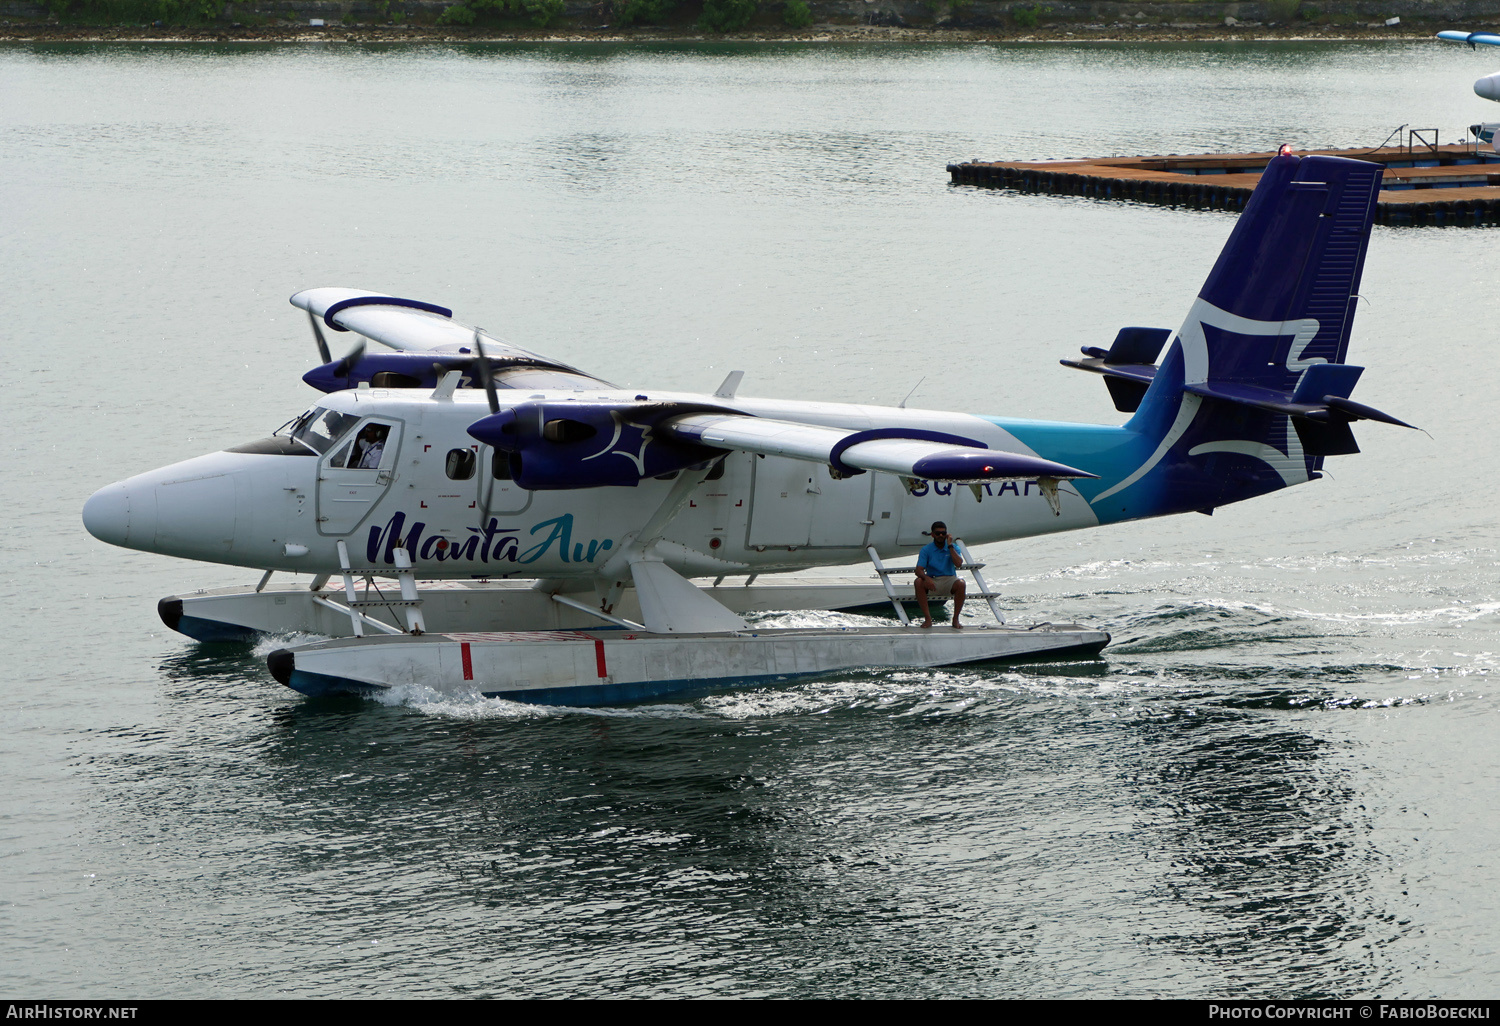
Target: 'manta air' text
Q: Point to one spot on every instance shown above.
(489, 544)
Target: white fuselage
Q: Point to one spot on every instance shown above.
(762, 514)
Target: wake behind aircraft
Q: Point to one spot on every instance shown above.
(557, 522)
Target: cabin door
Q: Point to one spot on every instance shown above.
(798, 504)
(355, 473)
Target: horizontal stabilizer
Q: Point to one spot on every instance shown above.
(1128, 366)
(1319, 408)
(907, 452)
(1359, 411)
(1321, 396)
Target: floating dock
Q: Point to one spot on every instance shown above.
(1455, 184)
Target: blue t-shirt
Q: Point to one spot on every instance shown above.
(937, 562)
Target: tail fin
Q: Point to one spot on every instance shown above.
(1253, 392)
(1292, 264)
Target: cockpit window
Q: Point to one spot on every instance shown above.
(318, 428)
(369, 447)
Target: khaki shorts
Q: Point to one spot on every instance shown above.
(942, 587)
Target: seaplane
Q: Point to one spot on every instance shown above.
(501, 523)
(1488, 86)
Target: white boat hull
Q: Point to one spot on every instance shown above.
(602, 667)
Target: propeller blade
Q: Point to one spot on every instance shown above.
(484, 503)
(487, 377)
(318, 337)
(486, 373)
(350, 359)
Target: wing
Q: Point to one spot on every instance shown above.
(414, 326)
(1484, 38)
(907, 452)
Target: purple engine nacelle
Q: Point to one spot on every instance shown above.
(417, 370)
(567, 444)
(391, 370)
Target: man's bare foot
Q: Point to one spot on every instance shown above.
(957, 626)
(926, 624)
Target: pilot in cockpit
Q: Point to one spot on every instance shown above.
(369, 446)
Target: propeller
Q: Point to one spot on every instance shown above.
(350, 359)
(312, 319)
(486, 373)
(487, 378)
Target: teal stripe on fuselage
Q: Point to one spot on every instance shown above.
(1114, 453)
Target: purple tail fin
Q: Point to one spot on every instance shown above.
(1279, 301)
(1295, 256)
(1254, 391)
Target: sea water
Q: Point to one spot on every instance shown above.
(1278, 781)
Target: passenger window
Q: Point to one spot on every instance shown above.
(460, 464)
(500, 465)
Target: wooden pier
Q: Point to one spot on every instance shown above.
(1456, 184)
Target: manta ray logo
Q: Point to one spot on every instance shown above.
(630, 440)
(1291, 464)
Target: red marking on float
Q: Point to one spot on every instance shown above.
(599, 657)
(468, 661)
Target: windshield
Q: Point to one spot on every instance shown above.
(318, 428)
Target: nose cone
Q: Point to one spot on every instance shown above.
(108, 515)
(189, 509)
(1489, 87)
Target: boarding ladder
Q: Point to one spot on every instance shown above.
(409, 603)
(982, 588)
